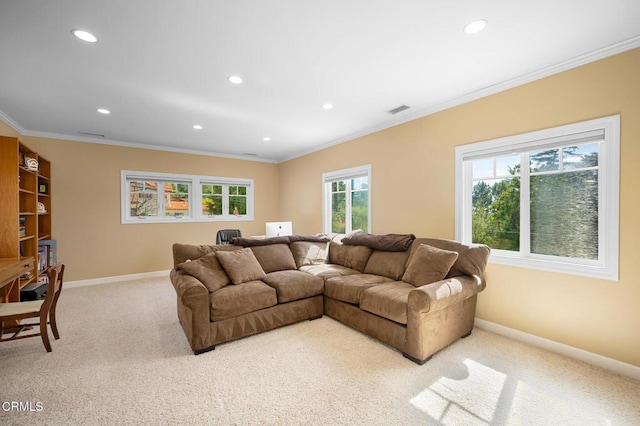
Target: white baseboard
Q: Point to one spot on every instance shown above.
(118, 278)
(610, 364)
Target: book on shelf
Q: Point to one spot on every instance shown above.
(22, 226)
(47, 254)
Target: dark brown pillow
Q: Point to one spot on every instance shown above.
(428, 265)
(208, 270)
(241, 265)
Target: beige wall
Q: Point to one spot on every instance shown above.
(85, 191)
(413, 191)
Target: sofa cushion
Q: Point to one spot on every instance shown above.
(428, 264)
(235, 300)
(309, 252)
(208, 270)
(387, 300)
(184, 252)
(294, 285)
(349, 287)
(472, 260)
(241, 265)
(387, 263)
(328, 270)
(274, 257)
(354, 257)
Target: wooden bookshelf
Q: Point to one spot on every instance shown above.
(23, 187)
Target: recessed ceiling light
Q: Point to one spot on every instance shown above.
(235, 79)
(103, 111)
(327, 106)
(475, 27)
(84, 36)
(266, 139)
(197, 127)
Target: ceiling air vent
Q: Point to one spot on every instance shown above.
(398, 109)
(93, 135)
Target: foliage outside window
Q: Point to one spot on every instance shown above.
(347, 200)
(559, 212)
(160, 197)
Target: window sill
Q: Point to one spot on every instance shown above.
(586, 269)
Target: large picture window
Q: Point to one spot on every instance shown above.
(347, 200)
(546, 200)
(161, 197)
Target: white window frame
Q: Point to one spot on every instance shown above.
(195, 197)
(345, 174)
(607, 264)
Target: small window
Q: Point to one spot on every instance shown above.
(545, 200)
(347, 200)
(159, 197)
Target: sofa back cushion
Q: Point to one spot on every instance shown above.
(241, 265)
(428, 264)
(274, 257)
(184, 252)
(472, 260)
(354, 257)
(390, 264)
(208, 270)
(309, 253)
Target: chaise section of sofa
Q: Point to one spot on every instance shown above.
(417, 300)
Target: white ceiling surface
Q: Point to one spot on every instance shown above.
(162, 66)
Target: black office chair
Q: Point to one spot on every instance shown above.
(224, 236)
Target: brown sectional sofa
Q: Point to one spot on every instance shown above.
(417, 295)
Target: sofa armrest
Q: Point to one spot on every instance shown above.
(190, 291)
(442, 294)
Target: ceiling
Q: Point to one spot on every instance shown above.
(161, 67)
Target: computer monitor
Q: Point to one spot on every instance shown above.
(278, 229)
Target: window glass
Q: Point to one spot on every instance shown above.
(496, 213)
(176, 199)
(237, 200)
(211, 200)
(143, 197)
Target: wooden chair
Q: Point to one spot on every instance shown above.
(43, 309)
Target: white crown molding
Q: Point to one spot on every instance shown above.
(578, 61)
(144, 146)
(13, 124)
(610, 364)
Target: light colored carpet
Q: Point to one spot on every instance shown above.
(123, 359)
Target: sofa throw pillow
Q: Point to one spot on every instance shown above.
(428, 265)
(241, 265)
(208, 270)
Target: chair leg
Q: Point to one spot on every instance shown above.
(44, 333)
(52, 318)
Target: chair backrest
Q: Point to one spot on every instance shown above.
(224, 236)
(55, 274)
